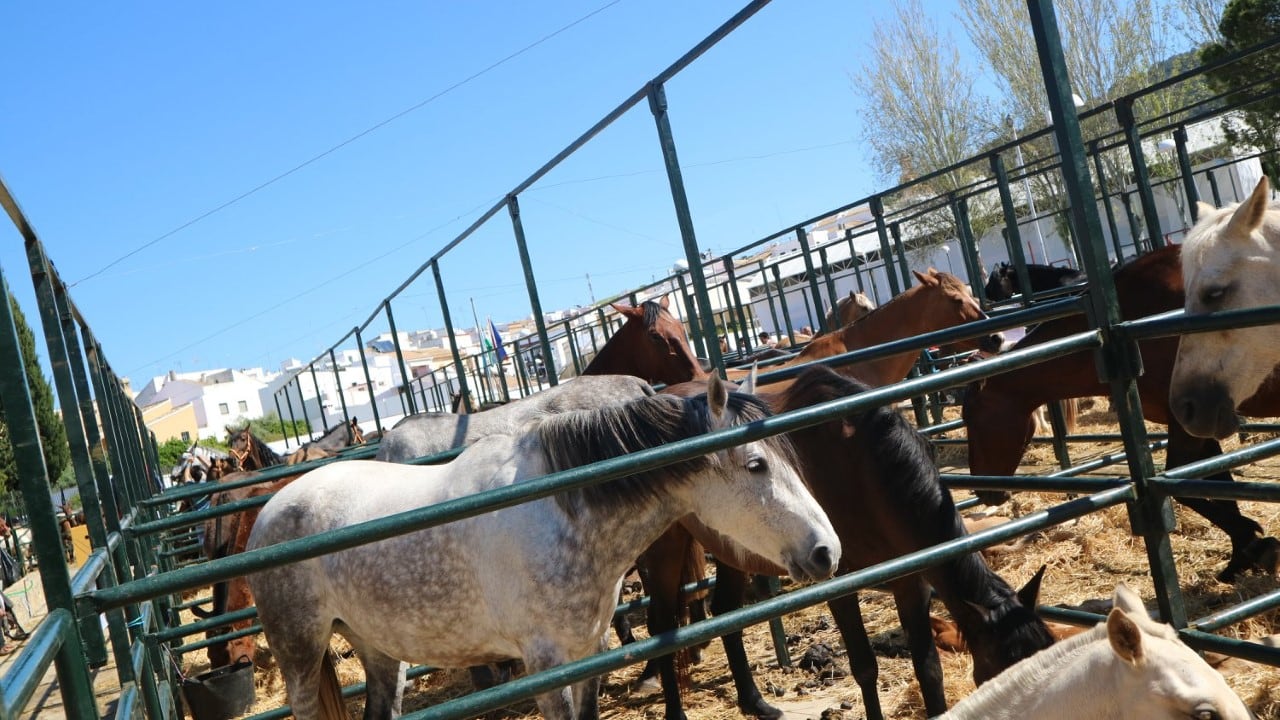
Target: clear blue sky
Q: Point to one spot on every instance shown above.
(121, 123)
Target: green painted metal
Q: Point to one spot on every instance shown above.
(877, 211)
(820, 320)
(745, 339)
(459, 370)
(1106, 200)
(684, 218)
(548, 358)
(315, 382)
(1213, 187)
(337, 378)
(33, 480)
(1120, 360)
(782, 300)
(1129, 125)
(288, 401)
(1013, 234)
(368, 380)
(900, 253)
(1188, 177)
(404, 367)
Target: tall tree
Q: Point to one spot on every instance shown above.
(922, 113)
(53, 435)
(1246, 23)
(1199, 23)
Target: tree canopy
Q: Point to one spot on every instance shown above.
(53, 436)
(1246, 23)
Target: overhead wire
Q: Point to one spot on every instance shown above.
(344, 143)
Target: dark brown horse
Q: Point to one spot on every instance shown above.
(876, 478)
(998, 410)
(650, 345)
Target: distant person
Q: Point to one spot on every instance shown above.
(768, 340)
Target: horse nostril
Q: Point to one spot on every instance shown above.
(822, 562)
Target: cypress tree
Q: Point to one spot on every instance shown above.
(53, 435)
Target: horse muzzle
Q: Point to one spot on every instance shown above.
(1204, 407)
(820, 564)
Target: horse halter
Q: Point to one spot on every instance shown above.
(241, 456)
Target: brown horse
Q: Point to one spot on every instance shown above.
(876, 478)
(997, 411)
(940, 301)
(650, 345)
(248, 452)
(849, 308)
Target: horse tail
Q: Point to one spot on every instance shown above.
(330, 690)
(692, 569)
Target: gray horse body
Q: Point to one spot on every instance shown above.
(430, 433)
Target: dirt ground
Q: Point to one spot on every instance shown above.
(1085, 560)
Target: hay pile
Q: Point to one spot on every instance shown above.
(1085, 561)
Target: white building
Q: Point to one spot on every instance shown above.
(220, 397)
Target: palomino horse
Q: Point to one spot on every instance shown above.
(1003, 283)
(468, 584)
(940, 301)
(876, 478)
(849, 308)
(651, 345)
(997, 411)
(1229, 261)
(1126, 667)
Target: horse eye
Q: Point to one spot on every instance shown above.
(1204, 713)
(1214, 295)
(756, 464)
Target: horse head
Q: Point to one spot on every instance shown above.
(1230, 261)
(1009, 630)
(950, 302)
(654, 343)
(1002, 283)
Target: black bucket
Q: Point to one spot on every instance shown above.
(220, 694)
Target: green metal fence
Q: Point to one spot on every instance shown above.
(134, 575)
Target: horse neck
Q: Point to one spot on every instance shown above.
(898, 318)
(616, 356)
(1046, 685)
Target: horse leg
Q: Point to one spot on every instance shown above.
(1223, 514)
(302, 654)
(731, 586)
(384, 680)
(662, 585)
(586, 694)
(862, 659)
(542, 654)
(911, 595)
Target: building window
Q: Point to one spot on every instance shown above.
(224, 409)
(186, 436)
(244, 406)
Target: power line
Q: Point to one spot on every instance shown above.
(342, 144)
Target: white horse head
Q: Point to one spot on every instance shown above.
(1229, 261)
(1126, 667)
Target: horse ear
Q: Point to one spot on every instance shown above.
(717, 396)
(1125, 636)
(1203, 208)
(1030, 593)
(924, 279)
(627, 310)
(748, 386)
(983, 611)
(1248, 217)
(1126, 599)
(665, 302)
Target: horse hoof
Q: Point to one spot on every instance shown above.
(647, 686)
(761, 709)
(1263, 555)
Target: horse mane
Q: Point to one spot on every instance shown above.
(651, 311)
(898, 452)
(572, 439)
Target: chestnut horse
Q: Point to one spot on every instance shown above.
(940, 301)
(997, 411)
(876, 478)
(650, 345)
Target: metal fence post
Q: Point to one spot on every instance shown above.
(1188, 178)
(368, 383)
(324, 419)
(404, 369)
(548, 358)
(877, 211)
(1124, 115)
(453, 343)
